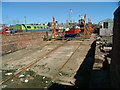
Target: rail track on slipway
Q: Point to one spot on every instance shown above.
(60, 69)
(25, 67)
(28, 51)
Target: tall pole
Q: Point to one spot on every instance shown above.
(25, 19)
(68, 17)
(70, 11)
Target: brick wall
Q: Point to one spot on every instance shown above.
(115, 63)
(13, 42)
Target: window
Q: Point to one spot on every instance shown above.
(105, 24)
(28, 26)
(35, 27)
(100, 26)
(77, 27)
(46, 27)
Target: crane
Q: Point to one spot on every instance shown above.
(86, 31)
(54, 27)
(90, 28)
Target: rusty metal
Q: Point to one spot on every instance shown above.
(66, 23)
(86, 32)
(90, 27)
(10, 60)
(54, 27)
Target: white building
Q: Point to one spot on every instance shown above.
(106, 27)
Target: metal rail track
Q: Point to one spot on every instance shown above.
(60, 69)
(23, 69)
(10, 60)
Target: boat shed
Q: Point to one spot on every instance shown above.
(106, 27)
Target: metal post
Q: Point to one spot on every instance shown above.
(25, 19)
(70, 10)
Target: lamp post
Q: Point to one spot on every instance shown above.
(25, 19)
(70, 11)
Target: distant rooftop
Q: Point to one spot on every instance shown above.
(106, 20)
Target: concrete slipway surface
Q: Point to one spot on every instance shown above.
(56, 62)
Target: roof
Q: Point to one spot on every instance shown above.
(107, 20)
(8, 27)
(117, 10)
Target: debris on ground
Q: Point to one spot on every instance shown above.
(4, 86)
(24, 73)
(12, 80)
(64, 74)
(26, 80)
(43, 77)
(8, 73)
(21, 76)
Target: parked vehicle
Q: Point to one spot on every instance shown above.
(30, 28)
